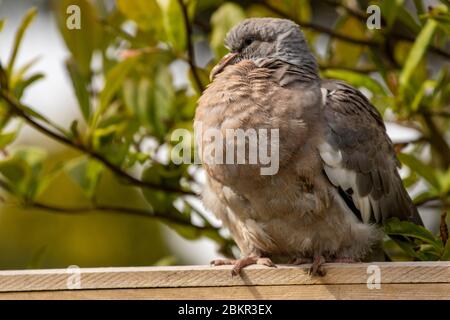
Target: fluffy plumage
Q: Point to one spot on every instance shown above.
(337, 177)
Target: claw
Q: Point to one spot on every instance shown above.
(317, 268)
(239, 264)
(221, 262)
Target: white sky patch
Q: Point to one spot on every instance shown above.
(401, 134)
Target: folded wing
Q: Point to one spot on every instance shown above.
(359, 159)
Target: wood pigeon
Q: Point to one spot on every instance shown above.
(337, 178)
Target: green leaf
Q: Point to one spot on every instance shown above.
(427, 86)
(445, 26)
(174, 24)
(223, 19)
(7, 138)
(86, 173)
(405, 17)
(409, 229)
(424, 196)
(80, 85)
(416, 54)
(5, 115)
(424, 170)
(2, 24)
(19, 74)
(84, 41)
(389, 10)
(356, 79)
(13, 170)
(136, 157)
(26, 21)
(444, 181)
(146, 13)
(38, 116)
(113, 137)
(408, 247)
(160, 174)
(346, 54)
(113, 83)
(22, 84)
(23, 170)
(395, 227)
(152, 100)
(162, 100)
(419, 6)
(446, 253)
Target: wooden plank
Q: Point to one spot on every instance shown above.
(205, 276)
(433, 291)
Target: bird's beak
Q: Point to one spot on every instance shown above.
(218, 68)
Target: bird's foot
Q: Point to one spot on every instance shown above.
(239, 264)
(317, 268)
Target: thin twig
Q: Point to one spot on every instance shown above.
(346, 38)
(437, 113)
(328, 31)
(190, 46)
(139, 212)
(425, 202)
(365, 69)
(118, 210)
(443, 229)
(16, 108)
(439, 201)
(391, 33)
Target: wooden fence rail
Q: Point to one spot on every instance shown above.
(399, 280)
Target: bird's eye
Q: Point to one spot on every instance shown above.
(247, 42)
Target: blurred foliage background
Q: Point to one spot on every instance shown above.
(137, 69)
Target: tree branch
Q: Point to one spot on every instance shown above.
(18, 110)
(361, 15)
(437, 113)
(190, 46)
(425, 202)
(118, 210)
(330, 32)
(364, 69)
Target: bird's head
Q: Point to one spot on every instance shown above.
(259, 38)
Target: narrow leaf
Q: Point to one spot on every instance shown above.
(86, 173)
(356, 79)
(80, 86)
(222, 21)
(114, 80)
(395, 227)
(174, 23)
(416, 53)
(424, 170)
(26, 21)
(146, 13)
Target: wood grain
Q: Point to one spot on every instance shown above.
(416, 279)
(440, 291)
